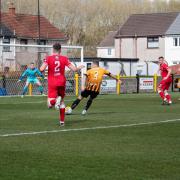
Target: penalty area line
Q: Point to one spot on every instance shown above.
(89, 128)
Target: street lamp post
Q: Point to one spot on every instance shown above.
(39, 35)
(39, 24)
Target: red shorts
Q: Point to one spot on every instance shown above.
(165, 84)
(55, 91)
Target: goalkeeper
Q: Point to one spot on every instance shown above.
(31, 73)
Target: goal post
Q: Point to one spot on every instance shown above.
(15, 58)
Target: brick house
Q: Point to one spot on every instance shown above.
(23, 29)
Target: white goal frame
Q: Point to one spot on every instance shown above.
(49, 46)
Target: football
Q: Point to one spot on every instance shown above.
(68, 110)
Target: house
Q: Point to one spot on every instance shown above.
(106, 47)
(148, 36)
(23, 29)
(145, 37)
(107, 59)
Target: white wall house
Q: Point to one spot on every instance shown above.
(107, 54)
(106, 48)
(172, 49)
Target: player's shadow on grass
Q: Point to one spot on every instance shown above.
(103, 113)
(90, 113)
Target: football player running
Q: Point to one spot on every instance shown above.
(92, 84)
(56, 64)
(165, 82)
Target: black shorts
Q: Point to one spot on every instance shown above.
(92, 94)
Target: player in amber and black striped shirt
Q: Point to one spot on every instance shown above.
(92, 85)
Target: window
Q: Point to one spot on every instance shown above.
(152, 42)
(88, 66)
(176, 62)
(23, 41)
(42, 42)
(176, 41)
(105, 63)
(109, 51)
(6, 40)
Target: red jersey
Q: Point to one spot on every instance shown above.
(164, 69)
(56, 68)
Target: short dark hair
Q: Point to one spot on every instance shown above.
(95, 62)
(161, 57)
(32, 63)
(57, 46)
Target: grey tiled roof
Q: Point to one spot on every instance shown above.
(147, 24)
(175, 27)
(108, 41)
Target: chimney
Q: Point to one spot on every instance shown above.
(12, 9)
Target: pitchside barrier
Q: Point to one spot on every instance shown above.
(130, 84)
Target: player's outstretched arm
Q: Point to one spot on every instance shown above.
(22, 76)
(43, 67)
(74, 68)
(114, 77)
(39, 73)
(84, 80)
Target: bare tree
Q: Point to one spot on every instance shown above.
(87, 22)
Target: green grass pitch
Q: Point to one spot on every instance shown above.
(121, 137)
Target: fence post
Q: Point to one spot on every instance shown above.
(155, 83)
(4, 81)
(77, 84)
(30, 89)
(118, 85)
(137, 77)
(172, 86)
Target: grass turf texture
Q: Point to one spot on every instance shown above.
(137, 152)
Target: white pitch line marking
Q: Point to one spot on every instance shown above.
(89, 128)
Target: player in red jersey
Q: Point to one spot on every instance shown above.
(166, 81)
(56, 64)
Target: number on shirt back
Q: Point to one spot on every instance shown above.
(57, 67)
(96, 75)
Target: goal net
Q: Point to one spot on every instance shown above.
(15, 58)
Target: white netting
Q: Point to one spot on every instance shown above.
(14, 59)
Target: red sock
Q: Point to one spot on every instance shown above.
(168, 97)
(62, 114)
(161, 93)
(53, 102)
